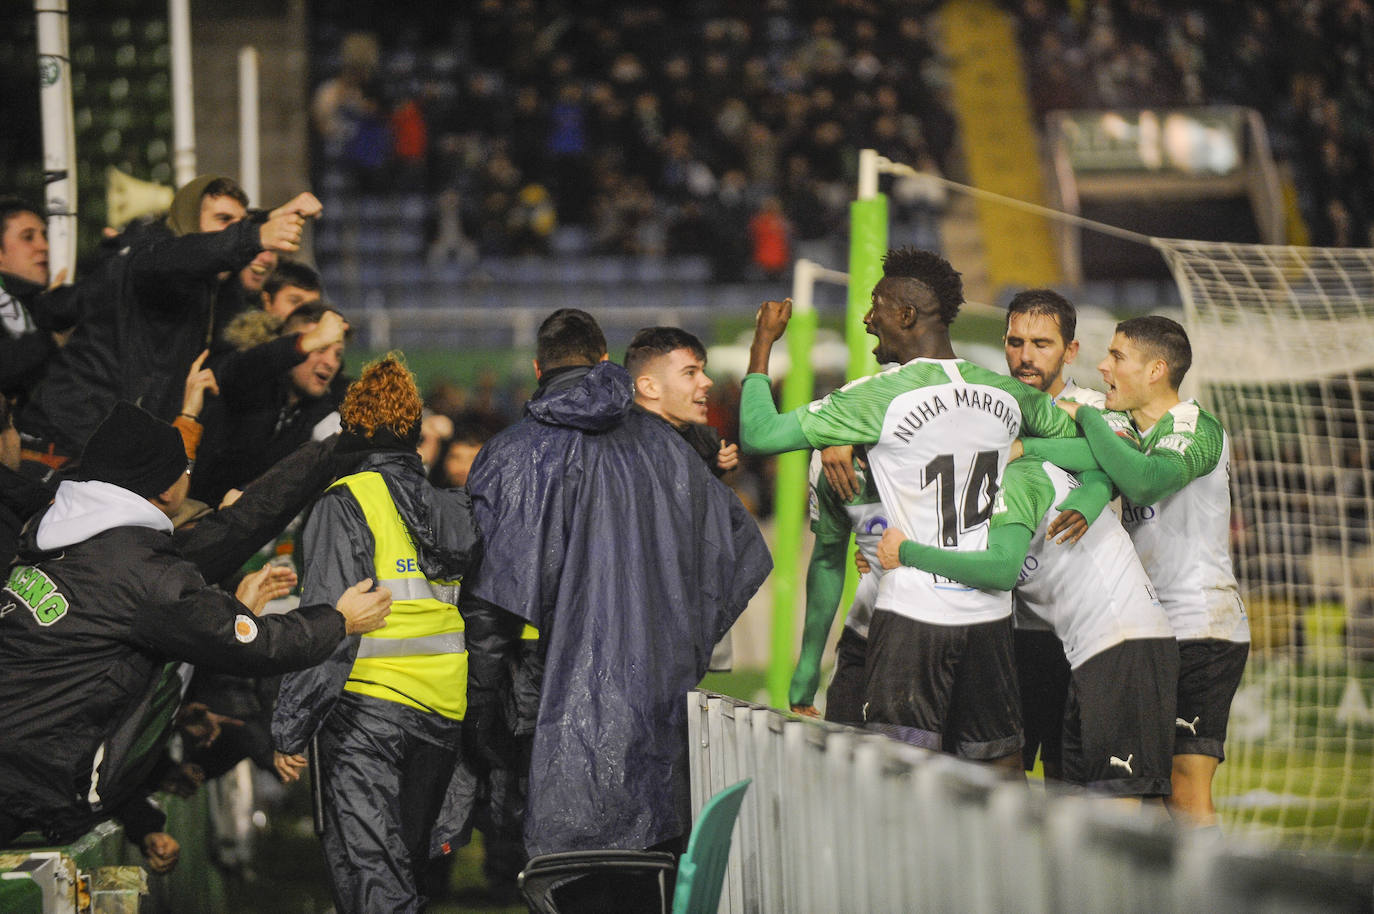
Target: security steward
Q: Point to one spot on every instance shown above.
(386, 706)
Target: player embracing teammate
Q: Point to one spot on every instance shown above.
(1171, 461)
(962, 533)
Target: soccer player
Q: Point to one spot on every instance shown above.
(832, 521)
(1117, 723)
(939, 429)
(1171, 461)
(1040, 344)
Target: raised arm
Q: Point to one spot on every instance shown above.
(762, 430)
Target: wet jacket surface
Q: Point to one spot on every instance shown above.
(339, 551)
(603, 528)
(72, 672)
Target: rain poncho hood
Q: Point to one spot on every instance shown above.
(607, 532)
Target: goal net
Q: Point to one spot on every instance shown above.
(1283, 354)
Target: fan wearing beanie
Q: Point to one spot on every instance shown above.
(387, 706)
(95, 614)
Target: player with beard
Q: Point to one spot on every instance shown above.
(939, 431)
(1040, 344)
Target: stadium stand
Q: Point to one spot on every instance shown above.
(629, 136)
(1307, 67)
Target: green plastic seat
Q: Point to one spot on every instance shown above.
(700, 872)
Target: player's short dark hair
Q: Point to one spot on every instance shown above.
(292, 273)
(1161, 338)
(11, 207)
(309, 313)
(1049, 303)
(929, 268)
(653, 342)
(225, 187)
(569, 336)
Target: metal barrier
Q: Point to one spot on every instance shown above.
(839, 819)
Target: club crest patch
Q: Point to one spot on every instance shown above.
(245, 628)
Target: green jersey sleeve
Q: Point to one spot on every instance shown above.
(995, 568)
(1091, 496)
(853, 414)
(1175, 458)
(1040, 418)
(1025, 496)
(828, 517)
(761, 429)
(824, 587)
(1072, 454)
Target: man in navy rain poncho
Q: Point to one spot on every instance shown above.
(606, 532)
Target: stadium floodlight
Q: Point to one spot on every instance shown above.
(1283, 351)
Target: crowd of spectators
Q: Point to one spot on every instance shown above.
(229, 446)
(711, 129)
(1306, 65)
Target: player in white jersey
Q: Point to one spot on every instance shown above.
(832, 521)
(1119, 717)
(939, 431)
(1171, 461)
(1040, 344)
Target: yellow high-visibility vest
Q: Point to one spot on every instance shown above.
(419, 658)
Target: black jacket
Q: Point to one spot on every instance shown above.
(86, 633)
(149, 313)
(23, 356)
(252, 424)
(21, 497)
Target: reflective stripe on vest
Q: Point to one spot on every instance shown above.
(420, 589)
(418, 658)
(451, 643)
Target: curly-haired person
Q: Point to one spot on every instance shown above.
(386, 708)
